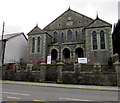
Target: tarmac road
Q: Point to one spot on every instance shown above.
(15, 92)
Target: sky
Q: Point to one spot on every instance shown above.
(23, 15)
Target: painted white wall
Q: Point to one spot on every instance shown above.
(16, 48)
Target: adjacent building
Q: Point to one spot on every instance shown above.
(71, 36)
(14, 48)
(116, 39)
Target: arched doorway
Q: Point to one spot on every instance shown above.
(54, 54)
(66, 53)
(79, 53)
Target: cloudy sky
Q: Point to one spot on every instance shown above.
(23, 15)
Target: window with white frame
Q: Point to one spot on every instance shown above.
(55, 37)
(62, 37)
(102, 40)
(69, 35)
(33, 44)
(83, 34)
(38, 44)
(94, 40)
(76, 35)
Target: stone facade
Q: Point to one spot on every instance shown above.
(44, 40)
(71, 36)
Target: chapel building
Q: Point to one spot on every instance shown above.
(71, 36)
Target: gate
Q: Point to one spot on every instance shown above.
(51, 73)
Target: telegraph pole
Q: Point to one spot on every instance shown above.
(2, 44)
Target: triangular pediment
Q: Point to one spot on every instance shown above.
(69, 19)
(99, 23)
(35, 30)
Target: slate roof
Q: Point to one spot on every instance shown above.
(36, 30)
(99, 23)
(67, 13)
(9, 36)
(78, 20)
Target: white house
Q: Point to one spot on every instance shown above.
(14, 48)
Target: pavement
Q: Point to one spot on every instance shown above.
(68, 86)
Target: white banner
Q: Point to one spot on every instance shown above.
(82, 60)
(48, 59)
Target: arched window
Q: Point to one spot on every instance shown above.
(69, 35)
(33, 45)
(38, 44)
(54, 54)
(102, 39)
(94, 40)
(76, 35)
(62, 37)
(55, 37)
(83, 34)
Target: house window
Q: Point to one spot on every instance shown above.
(102, 40)
(94, 40)
(76, 35)
(55, 37)
(38, 44)
(83, 34)
(69, 35)
(33, 45)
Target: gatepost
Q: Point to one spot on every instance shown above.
(29, 67)
(43, 72)
(77, 69)
(117, 69)
(16, 67)
(60, 67)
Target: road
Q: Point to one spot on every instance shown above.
(12, 92)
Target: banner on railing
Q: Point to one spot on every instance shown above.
(48, 59)
(82, 60)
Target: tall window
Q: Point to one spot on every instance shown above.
(76, 35)
(55, 37)
(33, 45)
(102, 40)
(94, 39)
(69, 35)
(83, 34)
(62, 37)
(38, 44)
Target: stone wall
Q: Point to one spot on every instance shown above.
(90, 78)
(74, 74)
